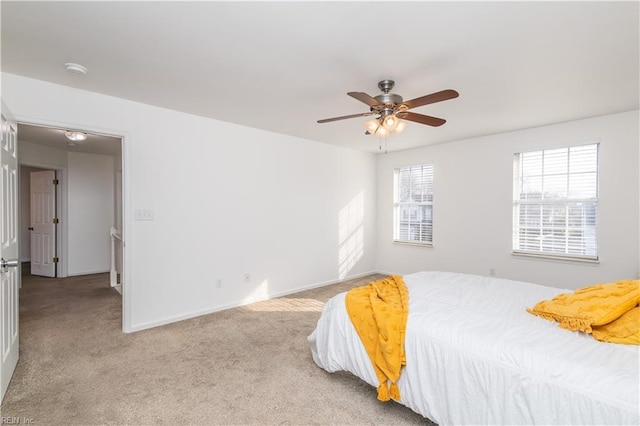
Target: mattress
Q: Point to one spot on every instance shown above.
(475, 356)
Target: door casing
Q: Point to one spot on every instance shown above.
(127, 215)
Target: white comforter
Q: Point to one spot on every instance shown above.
(475, 356)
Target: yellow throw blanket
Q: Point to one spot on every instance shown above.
(608, 311)
(378, 311)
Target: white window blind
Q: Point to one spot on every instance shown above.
(555, 202)
(413, 204)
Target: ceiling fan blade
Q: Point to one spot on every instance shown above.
(422, 119)
(443, 95)
(363, 97)
(344, 117)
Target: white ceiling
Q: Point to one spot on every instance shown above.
(281, 66)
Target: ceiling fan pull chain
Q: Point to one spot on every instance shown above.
(386, 139)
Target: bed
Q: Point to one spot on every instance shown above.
(475, 356)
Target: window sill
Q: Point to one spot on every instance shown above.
(412, 243)
(556, 258)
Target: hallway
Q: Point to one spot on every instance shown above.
(51, 305)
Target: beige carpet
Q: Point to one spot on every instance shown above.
(247, 365)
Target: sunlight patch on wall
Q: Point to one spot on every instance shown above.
(350, 235)
(286, 305)
(260, 293)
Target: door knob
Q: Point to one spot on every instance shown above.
(6, 264)
(30, 228)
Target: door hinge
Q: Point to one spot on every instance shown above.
(56, 220)
(55, 259)
(55, 181)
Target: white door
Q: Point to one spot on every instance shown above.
(9, 271)
(42, 227)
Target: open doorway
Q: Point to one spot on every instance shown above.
(87, 199)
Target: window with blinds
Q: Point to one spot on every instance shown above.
(413, 204)
(555, 202)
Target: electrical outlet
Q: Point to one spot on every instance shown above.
(492, 272)
(219, 282)
(247, 277)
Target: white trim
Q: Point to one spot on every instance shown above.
(175, 318)
(127, 223)
(96, 271)
(557, 258)
(387, 273)
(62, 242)
(412, 243)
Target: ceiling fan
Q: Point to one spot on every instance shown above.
(391, 109)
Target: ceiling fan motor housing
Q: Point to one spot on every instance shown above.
(388, 101)
(388, 104)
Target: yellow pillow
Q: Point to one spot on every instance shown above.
(625, 330)
(590, 306)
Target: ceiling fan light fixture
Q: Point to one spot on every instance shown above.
(400, 126)
(372, 125)
(382, 132)
(75, 136)
(390, 122)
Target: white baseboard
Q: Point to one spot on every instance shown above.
(176, 318)
(76, 274)
(387, 273)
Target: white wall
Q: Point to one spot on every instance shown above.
(473, 205)
(40, 155)
(90, 212)
(293, 213)
(227, 200)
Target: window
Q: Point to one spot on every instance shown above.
(413, 204)
(555, 202)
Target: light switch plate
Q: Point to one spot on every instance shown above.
(144, 214)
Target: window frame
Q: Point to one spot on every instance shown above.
(589, 209)
(398, 204)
